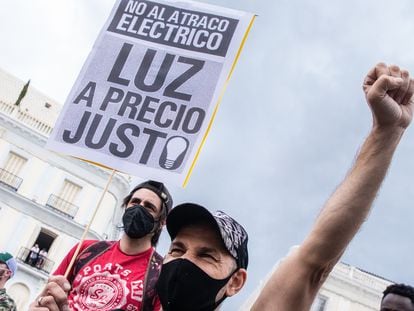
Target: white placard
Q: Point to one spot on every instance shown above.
(145, 98)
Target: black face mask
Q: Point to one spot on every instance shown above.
(138, 222)
(182, 286)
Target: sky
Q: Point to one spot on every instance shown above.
(289, 125)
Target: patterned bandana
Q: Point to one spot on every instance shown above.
(234, 237)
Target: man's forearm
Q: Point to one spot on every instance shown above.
(349, 205)
(296, 281)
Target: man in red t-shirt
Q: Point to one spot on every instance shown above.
(112, 275)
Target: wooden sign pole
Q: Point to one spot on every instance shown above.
(72, 261)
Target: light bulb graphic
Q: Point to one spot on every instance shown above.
(173, 153)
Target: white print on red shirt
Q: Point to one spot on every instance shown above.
(111, 281)
(101, 291)
(118, 269)
(131, 308)
(137, 290)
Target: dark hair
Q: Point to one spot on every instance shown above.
(401, 290)
(166, 203)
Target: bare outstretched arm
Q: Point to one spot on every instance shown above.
(295, 283)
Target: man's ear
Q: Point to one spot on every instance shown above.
(7, 274)
(236, 282)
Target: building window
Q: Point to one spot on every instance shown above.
(69, 191)
(37, 256)
(63, 201)
(9, 173)
(14, 163)
(320, 303)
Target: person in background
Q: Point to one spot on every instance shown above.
(8, 267)
(109, 275)
(33, 255)
(42, 258)
(398, 297)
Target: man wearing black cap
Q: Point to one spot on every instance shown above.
(206, 262)
(110, 275)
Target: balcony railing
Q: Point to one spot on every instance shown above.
(62, 206)
(10, 180)
(25, 256)
(15, 112)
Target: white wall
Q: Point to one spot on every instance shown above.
(44, 174)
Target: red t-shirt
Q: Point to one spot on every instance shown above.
(112, 280)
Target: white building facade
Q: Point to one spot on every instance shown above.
(45, 198)
(350, 289)
(346, 289)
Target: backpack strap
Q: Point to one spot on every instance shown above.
(151, 277)
(86, 255)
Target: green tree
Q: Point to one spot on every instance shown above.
(22, 93)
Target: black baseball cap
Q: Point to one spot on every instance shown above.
(160, 189)
(234, 236)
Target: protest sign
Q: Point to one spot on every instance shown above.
(145, 98)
